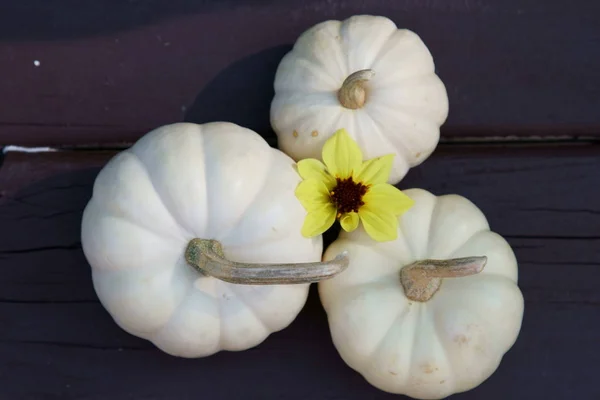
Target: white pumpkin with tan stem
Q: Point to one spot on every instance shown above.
(431, 313)
(364, 75)
(164, 215)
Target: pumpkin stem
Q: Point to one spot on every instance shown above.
(353, 92)
(206, 256)
(422, 279)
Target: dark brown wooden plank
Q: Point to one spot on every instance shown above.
(108, 72)
(56, 340)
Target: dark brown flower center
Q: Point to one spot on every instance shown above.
(347, 195)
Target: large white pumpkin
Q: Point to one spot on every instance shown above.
(181, 182)
(364, 75)
(414, 324)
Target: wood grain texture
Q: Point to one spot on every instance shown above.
(56, 340)
(110, 71)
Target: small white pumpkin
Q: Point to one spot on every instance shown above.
(418, 316)
(364, 75)
(165, 213)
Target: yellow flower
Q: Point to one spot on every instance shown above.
(350, 190)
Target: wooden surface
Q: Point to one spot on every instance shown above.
(93, 75)
(111, 70)
(57, 342)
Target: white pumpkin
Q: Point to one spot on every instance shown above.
(364, 75)
(414, 324)
(184, 182)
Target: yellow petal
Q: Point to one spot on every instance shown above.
(318, 221)
(376, 170)
(387, 198)
(312, 194)
(380, 225)
(341, 155)
(349, 221)
(311, 168)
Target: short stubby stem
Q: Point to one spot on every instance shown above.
(206, 256)
(422, 279)
(353, 93)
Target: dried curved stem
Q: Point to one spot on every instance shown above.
(353, 93)
(206, 256)
(422, 279)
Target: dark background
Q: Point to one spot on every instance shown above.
(521, 141)
(111, 70)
